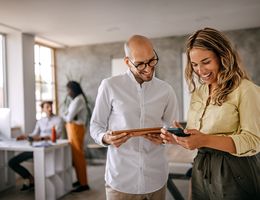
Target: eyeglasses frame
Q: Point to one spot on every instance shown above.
(147, 63)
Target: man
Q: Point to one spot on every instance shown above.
(42, 131)
(136, 166)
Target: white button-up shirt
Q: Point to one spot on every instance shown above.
(137, 166)
(44, 126)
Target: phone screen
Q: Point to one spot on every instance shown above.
(178, 132)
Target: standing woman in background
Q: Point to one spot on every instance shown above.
(223, 121)
(76, 117)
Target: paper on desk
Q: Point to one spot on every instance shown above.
(42, 144)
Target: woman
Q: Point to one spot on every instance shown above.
(76, 118)
(223, 121)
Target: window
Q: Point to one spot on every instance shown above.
(118, 66)
(44, 77)
(3, 95)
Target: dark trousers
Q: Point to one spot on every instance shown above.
(15, 164)
(220, 175)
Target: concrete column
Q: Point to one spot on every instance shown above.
(20, 78)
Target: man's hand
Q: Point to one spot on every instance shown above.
(38, 138)
(22, 137)
(154, 138)
(116, 140)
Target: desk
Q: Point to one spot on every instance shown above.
(52, 167)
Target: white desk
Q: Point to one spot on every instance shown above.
(52, 167)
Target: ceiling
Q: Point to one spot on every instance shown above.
(83, 22)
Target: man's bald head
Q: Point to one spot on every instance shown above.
(137, 43)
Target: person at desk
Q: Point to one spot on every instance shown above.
(42, 131)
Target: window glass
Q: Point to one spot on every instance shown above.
(44, 77)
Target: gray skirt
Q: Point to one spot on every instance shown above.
(219, 175)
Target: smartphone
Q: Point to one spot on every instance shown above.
(178, 132)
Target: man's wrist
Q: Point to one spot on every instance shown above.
(104, 140)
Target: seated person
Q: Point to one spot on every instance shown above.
(42, 131)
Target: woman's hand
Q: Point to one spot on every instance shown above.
(115, 140)
(198, 139)
(167, 136)
(194, 141)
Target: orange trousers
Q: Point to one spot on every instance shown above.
(76, 135)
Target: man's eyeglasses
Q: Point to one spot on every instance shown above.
(151, 63)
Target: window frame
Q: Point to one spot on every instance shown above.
(53, 80)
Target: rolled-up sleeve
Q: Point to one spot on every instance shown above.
(247, 140)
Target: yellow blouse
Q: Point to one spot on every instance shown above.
(238, 117)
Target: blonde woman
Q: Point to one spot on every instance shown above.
(223, 121)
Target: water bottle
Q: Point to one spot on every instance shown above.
(53, 135)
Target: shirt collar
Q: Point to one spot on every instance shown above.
(50, 117)
(145, 83)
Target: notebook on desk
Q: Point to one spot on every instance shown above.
(42, 144)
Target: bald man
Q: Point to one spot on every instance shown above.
(136, 167)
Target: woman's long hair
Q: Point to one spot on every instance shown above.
(77, 90)
(231, 71)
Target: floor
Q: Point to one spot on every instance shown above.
(96, 182)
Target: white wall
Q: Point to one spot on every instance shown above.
(20, 78)
(118, 66)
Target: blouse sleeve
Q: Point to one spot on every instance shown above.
(247, 140)
(75, 106)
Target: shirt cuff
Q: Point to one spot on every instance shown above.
(100, 140)
(241, 148)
